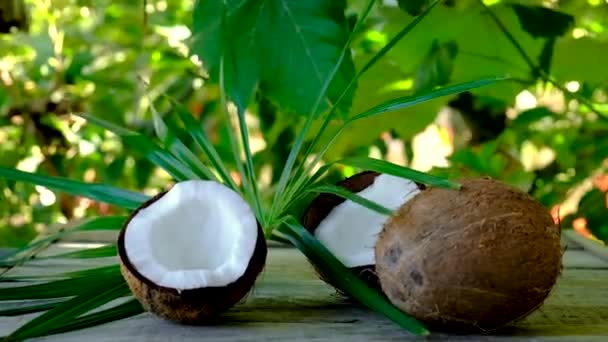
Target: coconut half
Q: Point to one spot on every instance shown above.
(350, 230)
(192, 252)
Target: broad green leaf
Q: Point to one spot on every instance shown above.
(408, 101)
(121, 311)
(168, 135)
(349, 195)
(413, 7)
(575, 59)
(530, 116)
(283, 191)
(488, 54)
(386, 167)
(546, 56)
(384, 82)
(436, 69)
(287, 49)
(345, 278)
(145, 146)
(540, 21)
(299, 176)
(94, 296)
(95, 191)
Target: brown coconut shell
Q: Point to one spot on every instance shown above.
(195, 306)
(469, 260)
(324, 203)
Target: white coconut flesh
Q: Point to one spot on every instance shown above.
(199, 234)
(350, 231)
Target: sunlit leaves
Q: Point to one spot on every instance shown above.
(99, 192)
(408, 101)
(436, 68)
(145, 146)
(413, 7)
(285, 48)
(540, 21)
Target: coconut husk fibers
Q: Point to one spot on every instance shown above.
(469, 260)
(196, 306)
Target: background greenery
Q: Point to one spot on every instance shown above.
(544, 132)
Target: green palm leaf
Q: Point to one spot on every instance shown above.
(96, 271)
(148, 148)
(301, 178)
(92, 297)
(60, 288)
(349, 195)
(124, 310)
(412, 100)
(23, 308)
(168, 135)
(343, 277)
(197, 133)
(383, 166)
(96, 223)
(95, 191)
(89, 253)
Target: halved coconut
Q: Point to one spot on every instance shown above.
(350, 230)
(192, 252)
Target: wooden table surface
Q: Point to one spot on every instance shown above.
(290, 303)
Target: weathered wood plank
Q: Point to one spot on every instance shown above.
(290, 303)
(596, 248)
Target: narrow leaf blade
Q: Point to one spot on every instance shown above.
(124, 310)
(30, 307)
(148, 148)
(98, 252)
(59, 288)
(97, 271)
(96, 223)
(345, 278)
(409, 101)
(88, 300)
(198, 135)
(344, 193)
(95, 191)
(383, 166)
(168, 134)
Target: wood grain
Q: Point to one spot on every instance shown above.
(289, 303)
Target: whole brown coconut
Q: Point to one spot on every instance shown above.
(474, 259)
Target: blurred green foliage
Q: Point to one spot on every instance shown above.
(113, 58)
